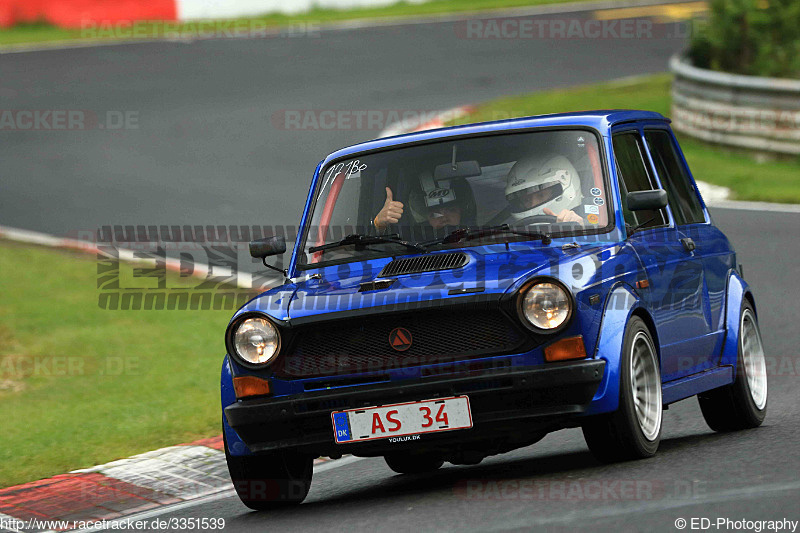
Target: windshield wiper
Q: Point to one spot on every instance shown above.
(467, 234)
(361, 241)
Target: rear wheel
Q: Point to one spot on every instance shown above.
(743, 403)
(272, 480)
(633, 431)
(413, 463)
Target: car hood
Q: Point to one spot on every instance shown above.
(488, 275)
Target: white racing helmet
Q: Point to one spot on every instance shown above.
(539, 181)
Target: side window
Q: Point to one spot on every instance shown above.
(630, 216)
(633, 169)
(674, 177)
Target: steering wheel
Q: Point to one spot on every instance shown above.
(537, 219)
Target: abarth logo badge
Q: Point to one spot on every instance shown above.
(400, 339)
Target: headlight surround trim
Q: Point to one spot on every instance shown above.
(525, 290)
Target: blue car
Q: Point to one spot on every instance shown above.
(458, 293)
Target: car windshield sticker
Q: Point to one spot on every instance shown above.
(353, 167)
(591, 209)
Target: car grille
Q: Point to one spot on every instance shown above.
(362, 344)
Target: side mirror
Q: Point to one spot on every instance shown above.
(270, 246)
(647, 200)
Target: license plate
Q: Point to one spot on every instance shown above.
(396, 420)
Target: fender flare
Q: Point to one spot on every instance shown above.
(737, 291)
(235, 445)
(620, 304)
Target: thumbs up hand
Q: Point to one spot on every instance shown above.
(390, 213)
(564, 216)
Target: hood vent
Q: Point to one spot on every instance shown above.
(424, 263)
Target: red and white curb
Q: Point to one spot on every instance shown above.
(244, 280)
(147, 484)
(77, 13)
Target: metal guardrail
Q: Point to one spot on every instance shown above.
(750, 112)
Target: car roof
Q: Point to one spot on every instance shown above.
(598, 119)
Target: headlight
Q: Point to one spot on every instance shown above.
(546, 306)
(256, 341)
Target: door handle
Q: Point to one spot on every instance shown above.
(688, 244)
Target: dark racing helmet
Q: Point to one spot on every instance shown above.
(432, 197)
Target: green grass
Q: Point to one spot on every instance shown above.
(109, 383)
(748, 179)
(43, 32)
(35, 33)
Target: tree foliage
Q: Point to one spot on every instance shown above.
(753, 37)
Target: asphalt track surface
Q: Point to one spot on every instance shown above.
(752, 475)
(206, 152)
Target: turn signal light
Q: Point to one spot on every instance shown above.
(565, 349)
(246, 386)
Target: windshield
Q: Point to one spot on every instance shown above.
(547, 182)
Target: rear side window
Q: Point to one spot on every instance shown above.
(674, 177)
(635, 176)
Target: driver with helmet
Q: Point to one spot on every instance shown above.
(544, 184)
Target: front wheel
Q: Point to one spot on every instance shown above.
(633, 431)
(743, 403)
(272, 480)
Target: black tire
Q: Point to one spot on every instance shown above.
(272, 480)
(413, 463)
(619, 436)
(733, 407)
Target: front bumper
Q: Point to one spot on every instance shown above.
(504, 402)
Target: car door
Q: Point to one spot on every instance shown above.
(673, 284)
(709, 245)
